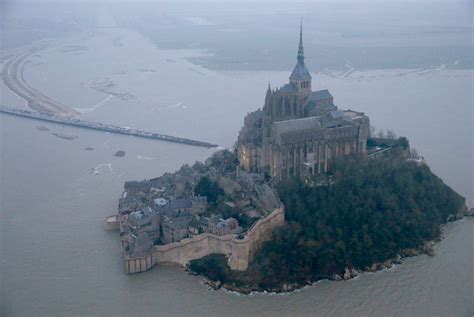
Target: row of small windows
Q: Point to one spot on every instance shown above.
(345, 148)
(305, 84)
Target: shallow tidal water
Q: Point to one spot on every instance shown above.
(56, 258)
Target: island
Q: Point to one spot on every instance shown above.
(307, 193)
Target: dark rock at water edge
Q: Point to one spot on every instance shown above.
(215, 285)
(42, 128)
(65, 136)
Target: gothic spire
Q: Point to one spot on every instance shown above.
(300, 75)
(300, 46)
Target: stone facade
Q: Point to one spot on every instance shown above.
(300, 132)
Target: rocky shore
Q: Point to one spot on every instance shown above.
(427, 248)
(348, 274)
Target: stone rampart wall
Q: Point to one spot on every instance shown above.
(240, 251)
(141, 264)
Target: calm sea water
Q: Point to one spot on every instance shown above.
(56, 258)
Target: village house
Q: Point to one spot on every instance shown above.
(146, 220)
(193, 205)
(176, 228)
(219, 226)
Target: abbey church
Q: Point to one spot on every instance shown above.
(300, 132)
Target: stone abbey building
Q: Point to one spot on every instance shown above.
(300, 132)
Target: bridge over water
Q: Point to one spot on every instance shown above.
(102, 127)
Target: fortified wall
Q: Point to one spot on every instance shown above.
(141, 264)
(240, 251)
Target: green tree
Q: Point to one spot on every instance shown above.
(208, 188)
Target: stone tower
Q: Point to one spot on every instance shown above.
(300, 77)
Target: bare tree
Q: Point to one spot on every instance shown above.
(381, 134)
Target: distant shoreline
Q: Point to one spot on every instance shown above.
(12, 76)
